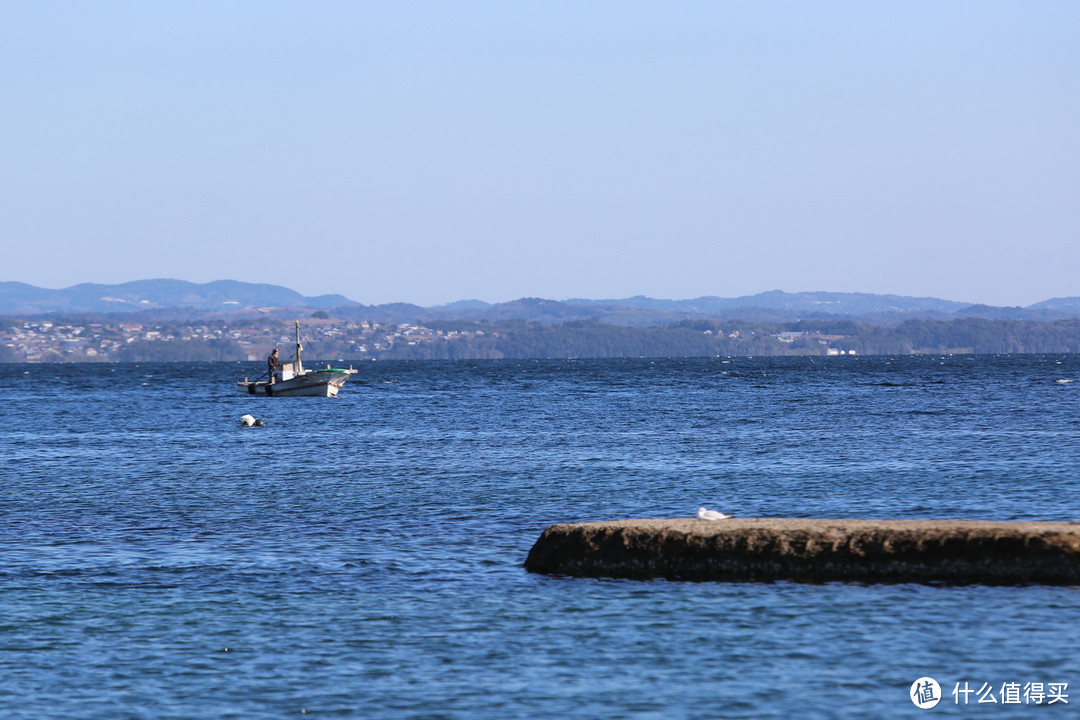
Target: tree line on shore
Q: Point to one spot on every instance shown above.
(520, 339)
(688, 338)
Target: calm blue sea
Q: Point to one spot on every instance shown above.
(361, 557)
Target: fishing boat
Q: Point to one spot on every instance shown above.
(291, 379)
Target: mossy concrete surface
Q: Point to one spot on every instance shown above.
(811, 550)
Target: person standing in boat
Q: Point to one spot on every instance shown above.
(273, 365)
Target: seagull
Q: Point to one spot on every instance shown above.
(711, 514)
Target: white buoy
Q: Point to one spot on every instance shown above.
(247, 420)
(711, 514)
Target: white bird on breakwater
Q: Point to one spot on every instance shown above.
(711, 514)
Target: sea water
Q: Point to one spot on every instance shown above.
(361, 556)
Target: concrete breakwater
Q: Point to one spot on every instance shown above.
(767, 549)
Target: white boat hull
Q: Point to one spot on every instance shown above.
(317, 383)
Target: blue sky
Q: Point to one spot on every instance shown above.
(429, 152)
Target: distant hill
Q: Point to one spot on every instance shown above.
(770, 307)
(464, 305)
(171, 297)
(990, 312)
(818, 302)
(1070, 304)
(221, 295)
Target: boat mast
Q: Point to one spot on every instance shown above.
(299, 347)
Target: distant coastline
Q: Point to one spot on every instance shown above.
(75, 339)
(169, 320)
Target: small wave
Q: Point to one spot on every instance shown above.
(1063, 381)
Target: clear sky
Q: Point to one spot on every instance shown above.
(428, 152)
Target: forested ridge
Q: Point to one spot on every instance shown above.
(520, 339)
(326, 337)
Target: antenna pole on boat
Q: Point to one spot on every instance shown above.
(299, 347)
